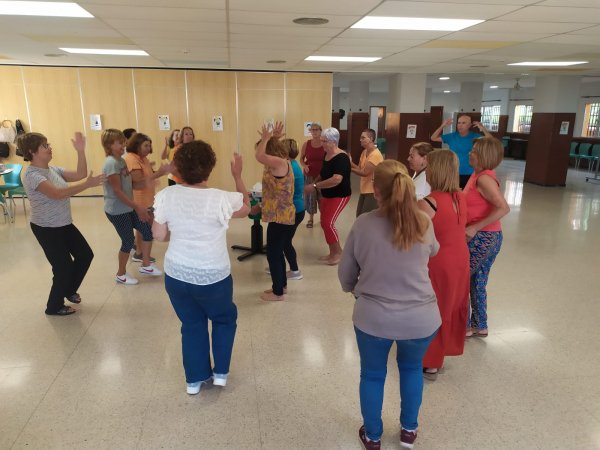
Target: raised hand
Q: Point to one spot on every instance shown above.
(448, 122)
(265, 133)
(236, 165)
(164, 169)
(93, 181)
(78, 142)
(278, 130)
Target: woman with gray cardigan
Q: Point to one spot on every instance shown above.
(384, 264)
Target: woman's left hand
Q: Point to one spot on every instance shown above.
(78, 142)
(470, 232)
(265, 133)
(309, 188)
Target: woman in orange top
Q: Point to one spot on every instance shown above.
(485, 207)
(143, 177)
(186, 135)
(168, 151)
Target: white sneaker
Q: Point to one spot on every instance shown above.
(126, 279)
(194, 388)
(294, 275)
(220, 379)
(150, 270)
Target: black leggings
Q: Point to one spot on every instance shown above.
(69, 255)
(288, 247)
(277, 237)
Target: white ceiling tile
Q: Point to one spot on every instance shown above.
(590, 31)
(268, 39)
(571, 39)
(441, 10)
(158, 13)
(384, 44)
(555, 14)
(392, 34)
(506, 26)
(491, 37)
(278, 30)
(338, 50)
(308, 8)
(283, 19)
(203, 4)
(570, 3)
(133, 27)
(254, 45)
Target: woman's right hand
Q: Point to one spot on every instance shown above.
(93, 181)
(236, 165)
(305, 169)
(143, 214)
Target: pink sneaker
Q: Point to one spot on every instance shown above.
(367, 444)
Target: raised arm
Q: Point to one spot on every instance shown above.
(80, 173)
(483, 129)
(236, 173)
(274, 162)
(437, 134)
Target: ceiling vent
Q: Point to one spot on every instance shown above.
(311, 21)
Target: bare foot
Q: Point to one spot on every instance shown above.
(270, 297)
(334, 260)
(270, 291)
(325, 257)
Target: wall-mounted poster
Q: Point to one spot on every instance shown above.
(95, 122)
(411, 131)
(564, 128)
(217, 123)
(164, 123)
(307, 126)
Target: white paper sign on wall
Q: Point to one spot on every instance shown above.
(217, 123)
(307, 126)
(95, 122)
(564, 128)
(411, 131)
(164, 123)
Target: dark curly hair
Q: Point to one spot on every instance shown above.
(195, 161)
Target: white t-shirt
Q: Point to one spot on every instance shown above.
(421, 185)
(198, 220)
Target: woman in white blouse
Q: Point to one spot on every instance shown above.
(197, 268)
(417, 161)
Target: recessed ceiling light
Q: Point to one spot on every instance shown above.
(548, 63)
(104, 51)
(310, 21)
(447, 92)
(343, 58)
(443, 78)
(276, 61)
(49, 9)
(414, 23)
(493, 87)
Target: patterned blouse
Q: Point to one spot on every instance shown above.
(278, 197)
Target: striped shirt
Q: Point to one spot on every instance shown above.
(47, 212)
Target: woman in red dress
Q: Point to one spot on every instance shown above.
(449, 269)
(311, 160)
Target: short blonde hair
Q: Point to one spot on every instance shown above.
(442, 171)
(489, 151)
(109, 137)
(398, 203)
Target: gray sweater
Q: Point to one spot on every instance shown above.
(395, 299)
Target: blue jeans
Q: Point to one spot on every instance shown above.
(195, 305)
(373, 369)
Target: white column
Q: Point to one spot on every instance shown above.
(471, 94)
(359, 96)
(407, 93)
(556, 94)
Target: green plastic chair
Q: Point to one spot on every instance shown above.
(595, 155)
(5, 209)
(381, 145)
(13, 185)
(584, 153)
(573, 153)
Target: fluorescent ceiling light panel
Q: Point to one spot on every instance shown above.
(366, 59)
(493, 87)
(104, 51)
(548, 63)
(443, 78)
(46, 9)
(446, 92)
(414, 23)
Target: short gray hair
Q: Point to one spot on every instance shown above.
(331, 134)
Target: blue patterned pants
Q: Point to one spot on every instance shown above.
(483, 248)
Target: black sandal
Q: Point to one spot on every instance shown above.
(75, 298)
(64, 311)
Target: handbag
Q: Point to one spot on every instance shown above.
(7, 131)
(4, 150)
(20, 131)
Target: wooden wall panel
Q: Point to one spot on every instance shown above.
(159, 92)
(306, 106)
(55, 109)
(110, 94)
(13, 105)
(213, 94)
(260, 98)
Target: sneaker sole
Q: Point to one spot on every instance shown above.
(126, 283)
(219, 382)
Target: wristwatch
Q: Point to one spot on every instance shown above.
(315, 186)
